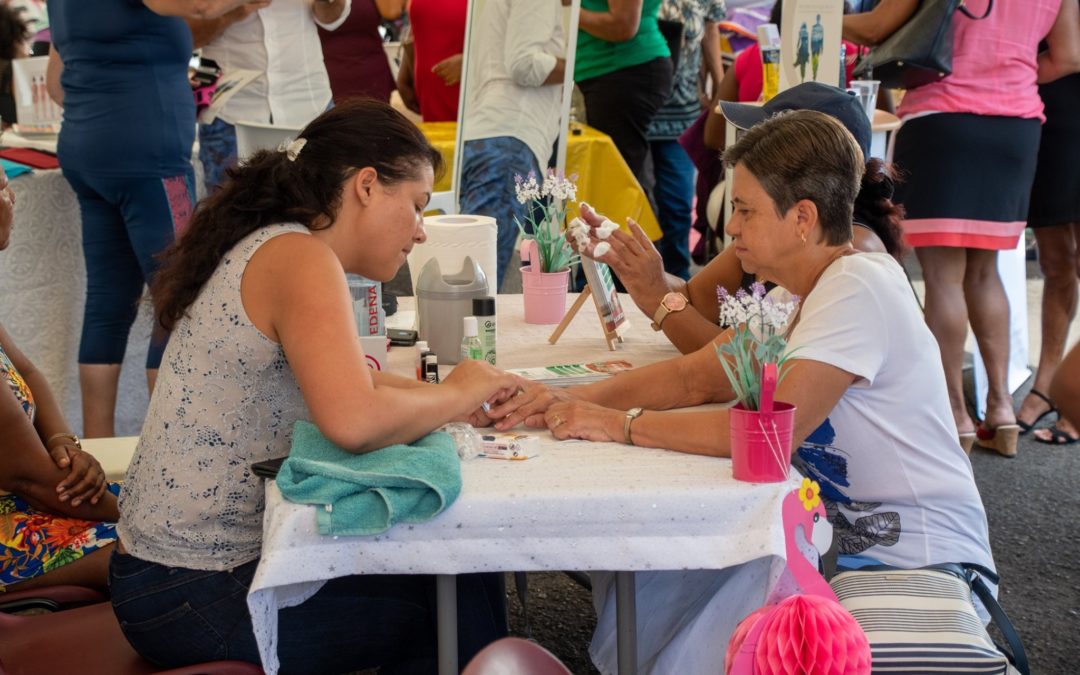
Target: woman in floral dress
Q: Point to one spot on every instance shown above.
(53, 496)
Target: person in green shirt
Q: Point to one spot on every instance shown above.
(624, 71)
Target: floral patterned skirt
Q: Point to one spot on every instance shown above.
(33, 543)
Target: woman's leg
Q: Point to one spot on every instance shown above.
(947, 317)
(175, 617)
(113, 286)
(622, 103)
(1058, 262)
(155, 210)
(988, 309)
(91, 570)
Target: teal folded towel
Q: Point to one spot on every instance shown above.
(367, 493)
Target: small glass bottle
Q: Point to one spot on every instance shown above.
(470, 344)
(421, 349)
(431, 369)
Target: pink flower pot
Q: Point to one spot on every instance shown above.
(545, 295)
(761, 444)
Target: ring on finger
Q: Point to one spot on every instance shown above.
(556, 421)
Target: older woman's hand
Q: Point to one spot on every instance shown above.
(527, 406)
(632, 257)
(588, 421)
(85, 481)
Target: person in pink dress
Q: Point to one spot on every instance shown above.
(969, 145)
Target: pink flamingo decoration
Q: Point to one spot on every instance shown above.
(809, 633)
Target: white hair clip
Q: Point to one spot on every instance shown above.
(292, 150)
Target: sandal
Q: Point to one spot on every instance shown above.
(1024, 426)
(1002, 438)
(1058, 437)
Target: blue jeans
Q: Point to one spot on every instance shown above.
(487, 189)
(126, 222)
(175, 617)
(217, 152)
(674, 195)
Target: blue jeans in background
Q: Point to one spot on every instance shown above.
(487, 189)
(217, 152)
(673, 193)
(174, 617)
(126, 222)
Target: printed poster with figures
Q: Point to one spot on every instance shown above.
(810, 42)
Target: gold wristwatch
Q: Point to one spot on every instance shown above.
(671, 303)
(631, 415)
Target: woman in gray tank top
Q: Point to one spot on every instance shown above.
(263, 335)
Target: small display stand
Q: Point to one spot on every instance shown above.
(600, 285)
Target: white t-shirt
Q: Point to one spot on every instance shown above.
(514, 50)
(897, 485)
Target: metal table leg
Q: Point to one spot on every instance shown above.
(446, 613)
(626, 622)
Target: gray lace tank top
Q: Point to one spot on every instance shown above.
(225, 398)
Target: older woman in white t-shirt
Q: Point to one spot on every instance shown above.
(872, 421)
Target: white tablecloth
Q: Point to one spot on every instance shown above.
(578, 506)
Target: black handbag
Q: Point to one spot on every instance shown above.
(920, 51)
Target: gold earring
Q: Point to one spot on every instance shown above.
(802, 235)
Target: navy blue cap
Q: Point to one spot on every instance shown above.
(837, 103)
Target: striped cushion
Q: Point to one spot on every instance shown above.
(919, 621)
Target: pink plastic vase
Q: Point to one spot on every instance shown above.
(544, 292)
(761, 443)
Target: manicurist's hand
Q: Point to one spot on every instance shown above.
(632, 257)
(479, 381)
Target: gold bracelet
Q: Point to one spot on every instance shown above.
(64, 434)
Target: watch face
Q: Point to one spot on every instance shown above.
(675, 302)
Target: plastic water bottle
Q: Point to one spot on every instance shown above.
(484, 311)
(470, 344)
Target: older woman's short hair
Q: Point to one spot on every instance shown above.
(804, 154)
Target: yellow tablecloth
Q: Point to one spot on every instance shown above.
(604, 180)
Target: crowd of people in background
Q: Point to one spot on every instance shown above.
(815, 214)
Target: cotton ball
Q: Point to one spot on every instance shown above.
(604, 229)
(601, 248)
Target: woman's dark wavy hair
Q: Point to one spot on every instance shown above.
(875, 209)
(13, 32)
(269, 189)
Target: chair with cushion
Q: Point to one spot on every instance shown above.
(514, 656)
(51, 598)
(88, 641)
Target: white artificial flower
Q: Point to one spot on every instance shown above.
(601, 248)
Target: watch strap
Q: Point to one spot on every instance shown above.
(663, 311)
(631, 415)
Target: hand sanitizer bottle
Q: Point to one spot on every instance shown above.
(470, 344)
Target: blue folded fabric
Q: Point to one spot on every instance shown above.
(364, 494)
(13, 169)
